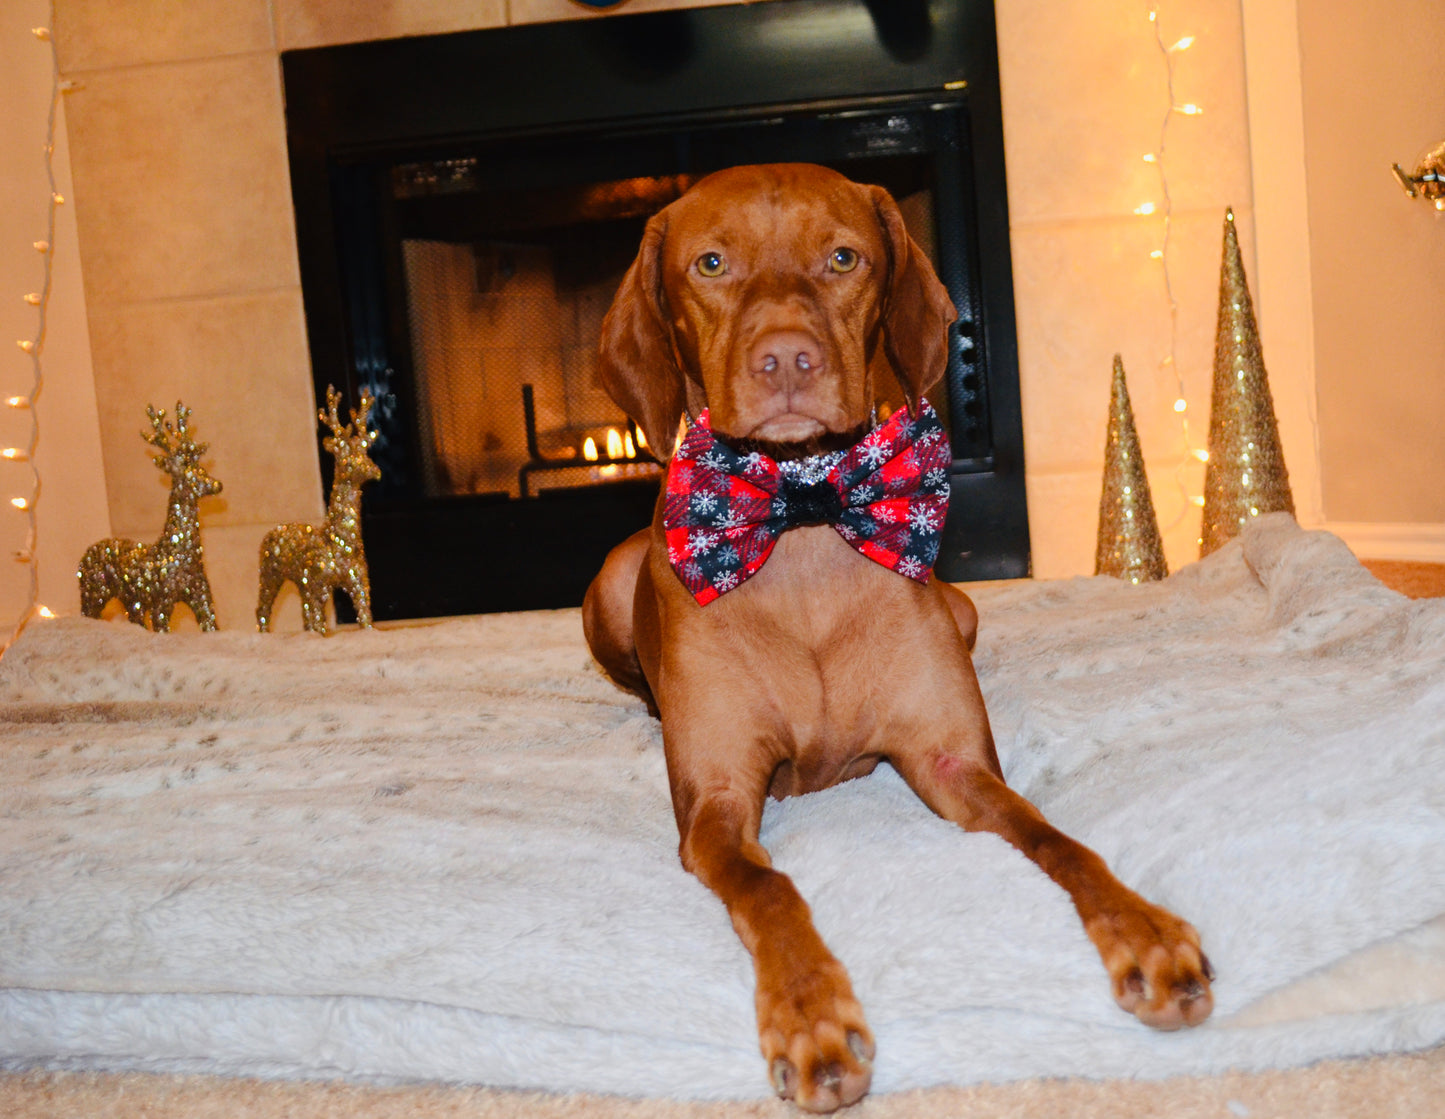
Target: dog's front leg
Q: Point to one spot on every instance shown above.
(1154, 961)
(810, 1027)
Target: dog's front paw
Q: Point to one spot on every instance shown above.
(817, 1045)
(1155, 963)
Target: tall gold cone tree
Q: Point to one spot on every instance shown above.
(1246, 475)
(1129, 543)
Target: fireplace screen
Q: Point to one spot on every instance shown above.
(504, 330)
(468, 204)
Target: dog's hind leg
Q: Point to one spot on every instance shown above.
(607, 616)
(965, 614)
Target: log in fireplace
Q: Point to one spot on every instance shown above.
(466, 205)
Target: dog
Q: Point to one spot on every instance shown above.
(779, 616)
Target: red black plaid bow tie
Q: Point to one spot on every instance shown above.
(886, 495)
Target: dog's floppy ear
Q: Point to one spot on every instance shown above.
(637, 362)
(916, 311)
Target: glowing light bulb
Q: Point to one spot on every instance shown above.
(1145, 209)
(26, 345)
(1181, 405)
(45, 611)
(1184, 44)
(1202, 456)
(1190, 109)
(17, 401)
(1151, 158)
(1157, 254)
(33, 298)
(14, 453)
(42, 246)
(1197, 500)
(21, 503)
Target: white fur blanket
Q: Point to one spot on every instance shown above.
(446, 851)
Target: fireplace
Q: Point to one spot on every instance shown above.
(467, 204)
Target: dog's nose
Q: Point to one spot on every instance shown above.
(788, 355)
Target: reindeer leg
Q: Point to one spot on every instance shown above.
(360, 592)
(201, 606)
(266, 598)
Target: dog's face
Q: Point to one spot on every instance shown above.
(765, 293)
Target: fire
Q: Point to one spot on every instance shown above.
(641, 439)
(614, 443)
(627, 444)
(589, 449)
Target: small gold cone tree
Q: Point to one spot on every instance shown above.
(1129, 543)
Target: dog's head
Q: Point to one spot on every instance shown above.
(765, 293)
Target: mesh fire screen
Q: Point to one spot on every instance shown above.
(504, 333)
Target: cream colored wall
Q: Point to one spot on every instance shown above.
(1373, 82)
(192, 284)
(72, 504)
(1085, 93)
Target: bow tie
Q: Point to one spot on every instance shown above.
(886, 495)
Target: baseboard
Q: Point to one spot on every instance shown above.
(1420, 542)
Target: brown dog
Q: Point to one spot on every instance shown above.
(771, 296)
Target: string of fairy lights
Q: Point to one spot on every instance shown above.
(1169, 362)
(28, 500)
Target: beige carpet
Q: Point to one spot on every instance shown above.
(1411, 1086)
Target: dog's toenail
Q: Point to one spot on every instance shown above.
(1208, 967)
(1134, 983)
(781, 1074)
(832, 1077)
(1188, 992)
(858, 1046)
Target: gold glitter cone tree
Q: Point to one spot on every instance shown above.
(1129, 543)
(1246, 475)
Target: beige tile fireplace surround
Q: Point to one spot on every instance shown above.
(176, 131)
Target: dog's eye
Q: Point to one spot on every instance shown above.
(843, 260)
(712, 264)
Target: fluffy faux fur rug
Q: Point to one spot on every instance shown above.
(446, 852)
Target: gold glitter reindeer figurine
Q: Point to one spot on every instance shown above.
(149, 579)
(320, 558)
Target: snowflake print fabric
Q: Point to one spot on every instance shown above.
(886, 495)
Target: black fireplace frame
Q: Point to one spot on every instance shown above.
(354, 109)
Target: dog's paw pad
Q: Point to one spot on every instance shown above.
(1159, 974)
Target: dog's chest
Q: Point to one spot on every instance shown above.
(831, 649)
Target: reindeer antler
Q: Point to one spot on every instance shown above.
(362, 415)
(359, 416)
(172, 440)
(329, 417)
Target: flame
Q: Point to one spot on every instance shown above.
(641, 439)
(627, 444)
(589, 449)
(614, 443)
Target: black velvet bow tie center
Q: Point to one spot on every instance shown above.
(818, 503)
